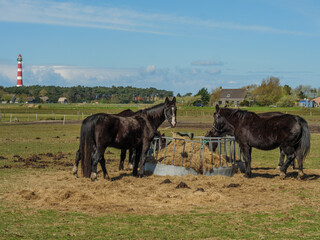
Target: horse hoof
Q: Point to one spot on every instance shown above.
(282, 175)
(75, 170)
(301, 175)
(93, 176)
(130, 166)
(107, 177)
(247, 175)
(121, 166)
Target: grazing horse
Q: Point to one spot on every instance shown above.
(289, 132)
(132, 152)
(101, 130)
(214, 133)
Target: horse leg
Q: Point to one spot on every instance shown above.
(290, 158)
(97, 157)
(281, 161)
(122, 158)
(293, 164)
(246, 154)
(132, 155)
(75, 168)
(301, 174)
(136, 161)
(103, 166)
(145, 148)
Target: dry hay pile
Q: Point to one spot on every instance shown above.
(187, 154)
(60, 190)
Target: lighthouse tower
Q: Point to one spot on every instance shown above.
(19, 75)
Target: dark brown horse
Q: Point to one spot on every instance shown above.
(132, 152)
(101, 130)
(290, 132)
(214, 133)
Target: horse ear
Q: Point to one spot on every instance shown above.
(217, 108)
(167, 100)
(174, 100)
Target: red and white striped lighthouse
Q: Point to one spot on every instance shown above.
(19, 75)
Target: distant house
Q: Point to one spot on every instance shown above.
(316, 101)
(62, 100)
(306, 103)
(13, 99)
(45, 99)
(30, 100)
(232, 96)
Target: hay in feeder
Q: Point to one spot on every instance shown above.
(183, 152)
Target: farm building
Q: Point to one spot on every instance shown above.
(232, 96)
(316, 101)
(45, 99)
(62, 100)
(306, 103)
(30, 100)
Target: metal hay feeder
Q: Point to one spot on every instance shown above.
(182, 156)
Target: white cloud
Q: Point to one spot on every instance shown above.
(81, 15)
(213, 71)
(178, 80)
(206, 63)
(151, 69)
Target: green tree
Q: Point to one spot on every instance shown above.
(187, 94)
(269, 92)
(286, 90)
(205, 96)
(215, 96)
(286, 101)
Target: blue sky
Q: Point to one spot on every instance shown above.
(176, 45)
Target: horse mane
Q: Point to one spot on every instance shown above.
(154, 111)
(241, 114)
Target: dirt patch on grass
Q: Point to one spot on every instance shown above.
(60, 190)
(42, 160)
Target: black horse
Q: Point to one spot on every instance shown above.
(101, 130)
(214, 133)
(132, 152)
(125, 113)
(290, 132)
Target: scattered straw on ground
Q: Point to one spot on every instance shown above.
(60, 190)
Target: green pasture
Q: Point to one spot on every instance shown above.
(18, 222)
(60, 112)
(41, 224)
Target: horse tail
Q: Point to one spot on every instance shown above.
(304, 143)
(87, 145)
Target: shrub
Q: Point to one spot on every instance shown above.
(286, 101)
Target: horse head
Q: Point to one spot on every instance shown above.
(170, 111)
(221, 126)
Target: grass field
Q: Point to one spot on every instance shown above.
(40, 112)
(263, 207)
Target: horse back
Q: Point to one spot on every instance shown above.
(267, 133)
(122, 132)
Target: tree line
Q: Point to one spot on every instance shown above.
(80, 94)
(270, 92)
